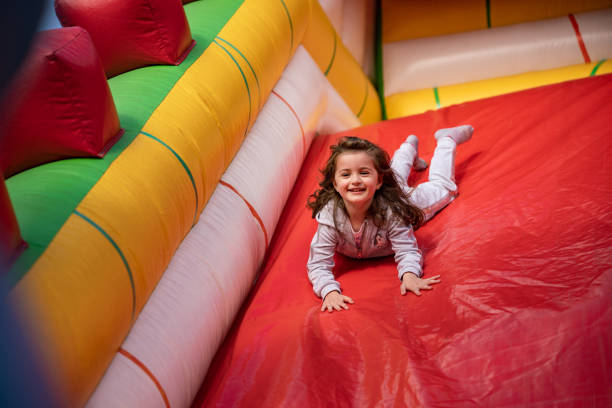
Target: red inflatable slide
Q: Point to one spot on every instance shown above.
(523, 315)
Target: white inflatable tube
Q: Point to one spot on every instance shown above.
(458, 58)
(167, 352)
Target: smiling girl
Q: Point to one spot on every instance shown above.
(365, 208)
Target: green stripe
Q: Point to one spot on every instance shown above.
(596, 67)
(250, 66)
(290, 24)
(244, 78)
(180, 159)
(365, 99)
(114, 244)
(378, 62)
(44, 197)
(331, 62)
(435, 90)
(488, 13)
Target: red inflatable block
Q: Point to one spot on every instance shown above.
(59, 104)
(131, 34)
(11, 243)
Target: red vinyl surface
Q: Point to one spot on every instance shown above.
(523, 315)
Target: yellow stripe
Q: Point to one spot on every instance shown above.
(414, 102)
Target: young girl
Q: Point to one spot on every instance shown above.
(366, 209)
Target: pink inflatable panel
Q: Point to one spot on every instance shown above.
(523, 315)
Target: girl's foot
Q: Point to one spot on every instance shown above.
(459, 134)
(419, 164)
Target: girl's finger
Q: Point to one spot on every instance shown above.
(417, 292)
(348, 299)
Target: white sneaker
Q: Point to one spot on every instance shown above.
(459, 134)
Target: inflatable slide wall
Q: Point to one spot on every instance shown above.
(157, 157)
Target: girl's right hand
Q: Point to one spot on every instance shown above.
(335, 301)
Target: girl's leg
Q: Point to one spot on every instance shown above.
(406, 157)
(441, 189)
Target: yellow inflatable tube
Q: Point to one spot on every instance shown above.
(422, 100)
(86, 289)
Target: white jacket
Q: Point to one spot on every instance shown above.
(393, 238)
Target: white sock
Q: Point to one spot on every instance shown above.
(459, 134)
(419, 164)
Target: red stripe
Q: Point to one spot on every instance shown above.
(296, 117)
(144, 368)
(585, 53)
(253, 211)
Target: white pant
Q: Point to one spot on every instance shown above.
(433, 195)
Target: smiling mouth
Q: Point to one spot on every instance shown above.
(356, 190)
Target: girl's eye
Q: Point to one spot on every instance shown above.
(365, 173)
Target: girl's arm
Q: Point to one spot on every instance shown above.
(407, 254)
(321, 261)
(409, 260)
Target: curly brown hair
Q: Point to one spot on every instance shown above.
(389, 195)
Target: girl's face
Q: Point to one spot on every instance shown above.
(356, 179)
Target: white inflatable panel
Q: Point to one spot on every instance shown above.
(496, 52)
(334, 9)
(188, 315)
(596, 31)
(354, 22)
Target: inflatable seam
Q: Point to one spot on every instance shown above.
(148, 372)
(180, 159)
(581, 44)
(297, 118)
(290, 25)
(251, 68)
(119, 251)
(251, 208)
(244, 78)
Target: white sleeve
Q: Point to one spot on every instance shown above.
(321, 261)
(407, 254)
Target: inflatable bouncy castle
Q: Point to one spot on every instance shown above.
(157, 159)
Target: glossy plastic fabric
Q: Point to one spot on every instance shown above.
(523, 316)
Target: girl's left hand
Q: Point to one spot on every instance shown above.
(412, 283)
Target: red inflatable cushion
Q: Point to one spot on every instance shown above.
(11, 243)
(523, 314)
(59, 105)
(131, 34)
